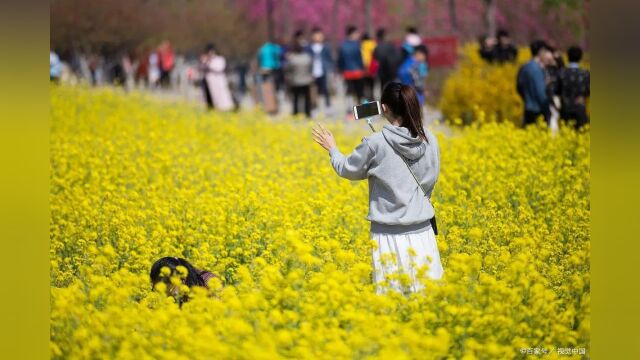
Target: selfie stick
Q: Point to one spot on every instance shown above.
(369, 118)
(370, 124)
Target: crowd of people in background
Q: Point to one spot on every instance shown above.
(498, 50)
(144, 67)
(547, 87)
(304, 68)
(306, 71)
(552, 90)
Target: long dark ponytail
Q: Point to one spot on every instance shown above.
(402, 100)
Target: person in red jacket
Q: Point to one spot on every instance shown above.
(167, 63)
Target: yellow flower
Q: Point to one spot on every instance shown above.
(165, 271)
(160, 287)
(253, 200)
(182, 271)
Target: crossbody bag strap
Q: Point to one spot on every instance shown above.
(406, 163)
(433, 222)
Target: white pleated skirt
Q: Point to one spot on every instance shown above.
(400, 261)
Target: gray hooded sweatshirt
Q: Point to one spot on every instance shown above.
(396, 204)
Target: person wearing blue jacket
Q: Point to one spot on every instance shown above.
(322, 64)
(414, 69)
(531, 84)
(351, 65)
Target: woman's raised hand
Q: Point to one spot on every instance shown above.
(323, 137)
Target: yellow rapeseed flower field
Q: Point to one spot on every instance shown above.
(256, 201)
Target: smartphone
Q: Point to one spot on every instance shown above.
(367, 110)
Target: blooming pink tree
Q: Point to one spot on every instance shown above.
(563, 21)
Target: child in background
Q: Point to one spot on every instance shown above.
(413, 71)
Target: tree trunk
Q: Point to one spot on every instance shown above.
(417, 14)
(334, 26)
(453, 16)
(585, 25)
(270, 30)
(368, 20)
(286, 20)
(490, 17)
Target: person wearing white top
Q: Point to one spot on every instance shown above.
(215, 79)
(322, 63)
(154, 68)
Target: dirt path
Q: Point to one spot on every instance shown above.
(336, 113)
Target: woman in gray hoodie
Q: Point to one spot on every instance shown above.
(394, 160)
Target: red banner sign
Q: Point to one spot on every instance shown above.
(443, 51)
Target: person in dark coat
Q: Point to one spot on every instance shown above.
(487, 48)
(504, 51)
(388, 57)
(574, 89)
(552, 72)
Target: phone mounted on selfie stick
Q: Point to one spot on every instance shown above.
(367, 110)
